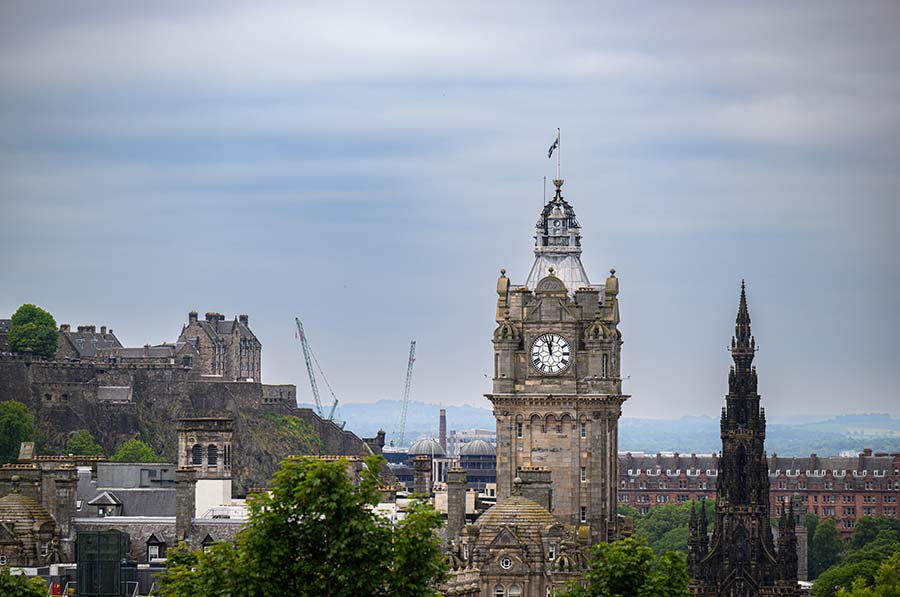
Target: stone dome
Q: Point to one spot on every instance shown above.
(530, 520)
(426, 447)
(477, 447)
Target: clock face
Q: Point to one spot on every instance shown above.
(550, 354)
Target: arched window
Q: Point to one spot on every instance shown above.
(3, 559)
(212, 455)
(605, 365)
(499, 591)
(515, 591)
(197, 455)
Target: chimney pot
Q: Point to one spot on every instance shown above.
(103, 329)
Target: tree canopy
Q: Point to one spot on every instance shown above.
(16, 426)
(134, 450)
(886, 581)
(15, 585)
(665, 527)
(316, 534)
(630, 568)
(826, 547)
(33, 328)
(859, 573)
(82, 443)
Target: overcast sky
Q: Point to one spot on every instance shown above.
(370, 167)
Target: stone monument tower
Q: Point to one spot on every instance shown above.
(557, 389)
(741, 560)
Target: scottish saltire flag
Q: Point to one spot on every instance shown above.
(553, 147)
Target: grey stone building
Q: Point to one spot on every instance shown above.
(226, 348)
(557, 390)
(85, 342)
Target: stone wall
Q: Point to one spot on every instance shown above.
(117, 402)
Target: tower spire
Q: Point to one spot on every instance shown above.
(743, 345)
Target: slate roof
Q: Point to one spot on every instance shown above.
(638, 463)
(86, 343)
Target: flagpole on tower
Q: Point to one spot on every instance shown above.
(558, 152)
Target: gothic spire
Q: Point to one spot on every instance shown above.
(743, 345)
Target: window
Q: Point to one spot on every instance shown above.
(499, 591)
(212, 455)
(3, 559)
(584, 514)
(465, 551)
(829, 485)
(197, 455)
(44, 549)
(643, 485)
(662, 499)
(101, 512)
(551, 553)
(663, 485)
(682, 485)
(583, 474)
(65, 397)
(623, 498)
(48, 397)
(515, 591)
(584, 430)
(518, 434)
(153, 552)
(505, 563)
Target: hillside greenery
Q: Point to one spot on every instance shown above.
(666, 527)
(16, 426)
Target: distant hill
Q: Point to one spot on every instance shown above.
(787, 436)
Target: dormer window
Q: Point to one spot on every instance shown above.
(551, 553)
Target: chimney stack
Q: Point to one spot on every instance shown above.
(192, 317)
(103, 330)
(422, 475)
(536, 485)
(65, 328)
(456, 502)
(185, 502)
(442, 433)
(245, 319)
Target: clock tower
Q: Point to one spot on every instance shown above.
(557, 387)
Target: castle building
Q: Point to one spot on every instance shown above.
(741, 559)
(557, 390)
(226, 348)
(85, 343)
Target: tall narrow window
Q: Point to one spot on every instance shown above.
(583, 429)
(584, 514)
(583, 474)
(212, 455)
(519, 429)
(197, 455)
(605, 365)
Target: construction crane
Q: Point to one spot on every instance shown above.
(310, 358)
(405, 405)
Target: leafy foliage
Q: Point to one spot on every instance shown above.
(82, 443)
(33, 328)
(134, 450)
(886, 582)
(630, 568)
(875, 542)
(15, 585)
(665, 527)
(295, 429)
(16, 426)
(316, 534)
(826, 547)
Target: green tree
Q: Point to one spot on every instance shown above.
(628, 568)
(33, 328)
(134, 450)
(886, 581)
(868, 529)
(317, 534)
(16, 585)
(811, 521)
(826, 547)
(665, 527)
(82, 443)
(16, 426)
